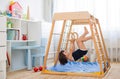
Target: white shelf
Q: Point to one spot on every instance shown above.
(13, 29)
(15, 18)
(20, 40)
(22, 19)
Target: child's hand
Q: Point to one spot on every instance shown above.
(72, 40)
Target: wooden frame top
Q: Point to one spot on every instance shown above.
(84, 15)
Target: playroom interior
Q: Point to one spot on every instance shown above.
(34, 33)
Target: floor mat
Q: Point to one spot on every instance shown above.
(76, 67)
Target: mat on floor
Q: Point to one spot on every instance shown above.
(76, 67)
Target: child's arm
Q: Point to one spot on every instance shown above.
(72, 49)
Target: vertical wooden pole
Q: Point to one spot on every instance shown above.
(96, 49)
(48, 45)
(59, 44)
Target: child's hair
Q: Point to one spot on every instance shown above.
(62, 58)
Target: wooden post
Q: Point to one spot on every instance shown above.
(60, 40)
(48, 45)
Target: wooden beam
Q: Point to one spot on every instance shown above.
(71, 15)
(94, 74)
(48, 45)
(81, 22)
(60, 41)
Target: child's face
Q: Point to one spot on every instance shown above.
(65, 53)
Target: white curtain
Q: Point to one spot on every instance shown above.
(108, 13)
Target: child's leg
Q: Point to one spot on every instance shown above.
(82, 39)
(84, 34)
(80, 42)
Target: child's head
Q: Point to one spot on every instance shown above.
(62, 58)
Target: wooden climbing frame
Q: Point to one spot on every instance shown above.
(80, 18)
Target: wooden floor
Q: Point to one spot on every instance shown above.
(114, 73)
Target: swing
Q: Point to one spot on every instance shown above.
(77, 18)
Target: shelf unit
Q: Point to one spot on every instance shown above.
(28, 27)
(2, 47)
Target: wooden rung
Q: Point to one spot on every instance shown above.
(96, 34)
(95, 28)
(98, 42)
(100, 49)
(101, 55)
(100, 46)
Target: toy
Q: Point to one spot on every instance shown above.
(28, 13)
(9, 24)
(35, 69)
(11, 2)
(8, 13)
(15, 9)
(40, 68)
(84, 58)
(24, 37)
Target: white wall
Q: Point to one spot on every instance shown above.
(4, 5)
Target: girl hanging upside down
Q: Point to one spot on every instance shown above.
(74, 55)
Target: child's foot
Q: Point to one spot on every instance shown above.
(85, 30)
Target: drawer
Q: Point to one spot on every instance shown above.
(2, 65)
(2, 69)
(3, 23)
(3, 38)
(2, 54)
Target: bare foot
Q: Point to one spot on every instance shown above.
(85, 30)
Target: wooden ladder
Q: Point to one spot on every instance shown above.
(66, 35)
(99, 46)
